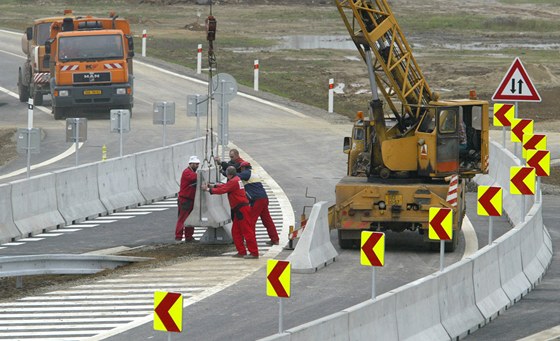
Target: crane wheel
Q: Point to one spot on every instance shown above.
(384, 173)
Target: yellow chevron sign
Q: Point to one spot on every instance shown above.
(372, 249)
(533, 141)
(278, 277)
(503, 114)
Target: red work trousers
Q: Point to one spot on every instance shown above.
(243, 230)
(184, 207)
(260, 209)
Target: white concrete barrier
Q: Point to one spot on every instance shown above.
(8, 230)
(542, 238)
(490, 298)
(459, 314)
(34, 205)
(314, 249)
(373, 319)
(418, 313)
(532, 266)
(77, 193)
(156, 174)
(514, 281)
(118, 184)
(333, 327)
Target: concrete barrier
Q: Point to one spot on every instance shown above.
(314, 249)
(490, 298)
(417, 310)
(542, 239)
(373, 319)
(532, 267)
(514, 281)
(333, 327)
(118, 184)
(8, 230)
(459, 314)
(77, 193)
(156, 174)
(34, 205)
(181, 153)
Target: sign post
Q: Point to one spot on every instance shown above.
(278, 278)
(372, 253)
(194, 108)
(76, 131)
(489, 204)
(164, 114)
(440, 228)
(120, 123)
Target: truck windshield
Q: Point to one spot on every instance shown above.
(43, 31)
(91, 47)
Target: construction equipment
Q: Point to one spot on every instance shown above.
(34, 76)
(400, 163)
(90, 61)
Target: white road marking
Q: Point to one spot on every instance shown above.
(31, 239)
(81, 225)
(49, 234)
(12, 244)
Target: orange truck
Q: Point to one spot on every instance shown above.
(90, 62)
(34, 75)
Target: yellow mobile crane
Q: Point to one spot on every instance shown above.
(400, 164)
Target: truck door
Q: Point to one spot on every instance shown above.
(447, 140)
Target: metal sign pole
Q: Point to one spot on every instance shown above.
(373, 283)
(76, 137)
(523, 208)
(29, 127)
(441, 253)
(538, 195)
(164, 120)
(280, 317)
(515, 143)
(197, 117)
(222, 107)
(490, 228)
(504, 137)
(121, 132)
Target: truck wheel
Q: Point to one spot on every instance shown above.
(23, 90)
(344, 243)
(37, 98)
(59, 113)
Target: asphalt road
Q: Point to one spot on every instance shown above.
(298, 150)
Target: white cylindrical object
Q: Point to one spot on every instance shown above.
(30, 113)
(199, 59)
(256, 75)
(144, 36)
(331, 95)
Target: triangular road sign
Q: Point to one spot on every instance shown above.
(516, 85)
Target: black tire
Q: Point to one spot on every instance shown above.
(23, 91)
(37, 98)
(344, 243)
(59, 113)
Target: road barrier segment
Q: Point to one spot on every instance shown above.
(450, 304)
(8, 230)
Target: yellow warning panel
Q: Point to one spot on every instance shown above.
(372, 250)
(522, 180)
(441, 223)
(503, 114)
(490, 201)
(533, 141)
(540, 160)
(278, 278)
(168, 311)
(520, 127)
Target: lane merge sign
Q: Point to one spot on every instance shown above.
(168, 311)
(441, 223)
(489, 201)
(516, 85)
(278, 273)
(503, 114)
(522, 180)
(372, 249)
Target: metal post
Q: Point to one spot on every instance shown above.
(256, 75)
(199, 59)
(144, 36)
(223, 109)
(373, 283)
(121, 132)
(441, 253)
(77, 138)
(197, 116)
(164, 120)
(522, 208)
(504, 137)
(331, 95)
(490, 227)
(280, 317)
(538, 195)
(29, 127)
(515, 143)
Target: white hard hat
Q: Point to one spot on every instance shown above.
(194, 159)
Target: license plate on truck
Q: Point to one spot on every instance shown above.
(92, 92)
(393, 199)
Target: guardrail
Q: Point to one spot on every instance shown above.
(451, 304)
(52, 200)
(60, 264)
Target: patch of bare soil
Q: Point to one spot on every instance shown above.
(8, 150)
(162, 254)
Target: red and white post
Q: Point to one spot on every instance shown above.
(331, 95)
(144, 36)
(199, 59)
(256, 75)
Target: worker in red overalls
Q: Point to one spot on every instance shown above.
(240, 213)
(185, 200)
